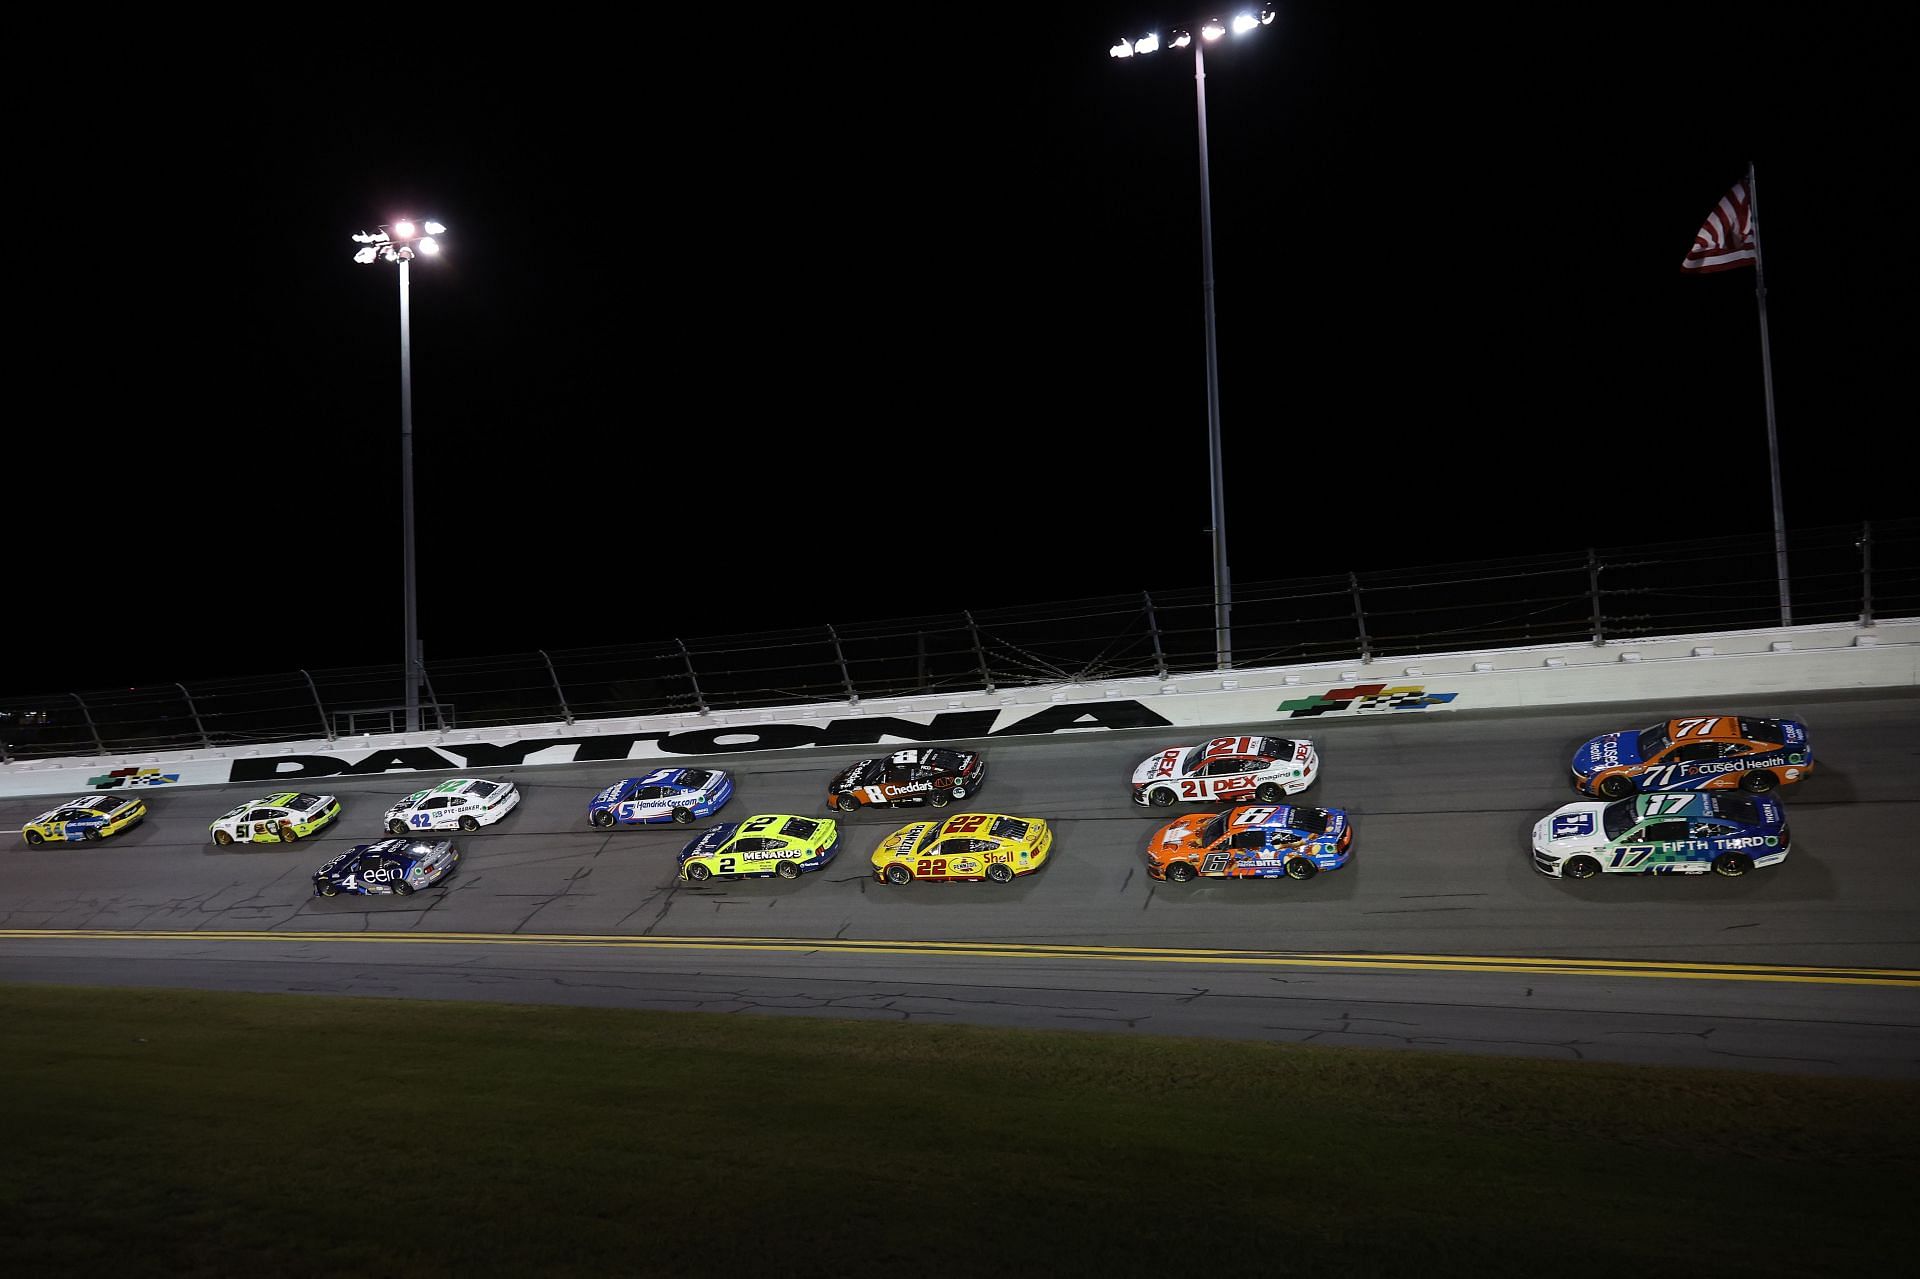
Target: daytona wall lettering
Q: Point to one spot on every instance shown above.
(714, 741)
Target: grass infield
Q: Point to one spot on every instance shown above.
(187, 1133)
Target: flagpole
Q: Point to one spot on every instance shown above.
(1766, 366)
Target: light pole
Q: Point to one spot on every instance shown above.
(1211, 29)
(397, 243)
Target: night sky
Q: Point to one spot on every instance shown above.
(759, 326)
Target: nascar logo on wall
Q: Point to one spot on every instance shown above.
(1362, 698)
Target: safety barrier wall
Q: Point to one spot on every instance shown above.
(1685, 674)
(1730, 583)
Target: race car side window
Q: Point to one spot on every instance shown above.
(1709, 830)
(651, 792)
(260, 815)
(1249, 839)
(1665, 830)
(1734, 750)
(1693, 752)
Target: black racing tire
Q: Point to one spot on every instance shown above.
(329, 890)
(899, 873)
(959, 791)
(1615, 786)
(1758, 782)
(787, 870)
(698, 872)
(1732, 865)
(402, 888)
(93, 833)
(1580, 868)
(1181, 872)
(397, 826)
(604, 819)
(1269, 793)
(1160, 797)
(469, 824)
(1000, 872)
(1301, 868)
(35, 839)
(683, 816)
(940, 799)
(847, 802)
(221, 838)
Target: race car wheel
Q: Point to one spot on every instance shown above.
(288, 834)
(699, 872)
(1618, 786)
(1732, 865)
(787, 870)
(1302, 868)
(221, 838)
(93, 832)
(329, 890)
(1269, 793)
(940, 799)
(1580, 868)
(959, 792)
(1181, 872)
(603, 819)
(402, 888)
(846, 803)
(1160, 797)
(469, 824)
(397, 826)
(1758, 782)
(35, 838)
(899, 874)
(1000, 872)
(684, 816)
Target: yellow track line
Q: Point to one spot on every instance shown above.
(1023, 950)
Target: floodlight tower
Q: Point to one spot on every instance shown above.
(398, 243)
(1211, 30)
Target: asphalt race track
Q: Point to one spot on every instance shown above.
(1437, 934)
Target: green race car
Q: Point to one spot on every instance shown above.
(782, 844)
(276, 819)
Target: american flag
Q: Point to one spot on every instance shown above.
(1726, 240)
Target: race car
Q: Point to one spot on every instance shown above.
(1705, 752)
(765, 844)
(86, 817)
(664, 795)
(929, 775)
(970, 846)
(1251, 843)
(399, 866)
(1676, 833)
(1227, 768)
(463, 802)
(276, 819)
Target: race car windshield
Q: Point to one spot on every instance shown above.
(948, 761)
(1008, 828)
(1618, 818)
(800, 828)
(1213, 831)
(236, 812)
(1739, 808)
(1762, 730)
(1310, 819)
(480, 790)
(1192, 760)
(1653, 740)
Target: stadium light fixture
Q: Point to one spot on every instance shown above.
(1210, 30)
(395, 243)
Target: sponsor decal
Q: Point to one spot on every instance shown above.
(1365, 697)
(1572, 824)
(774, 855)
(713, 741)
(132, 777)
